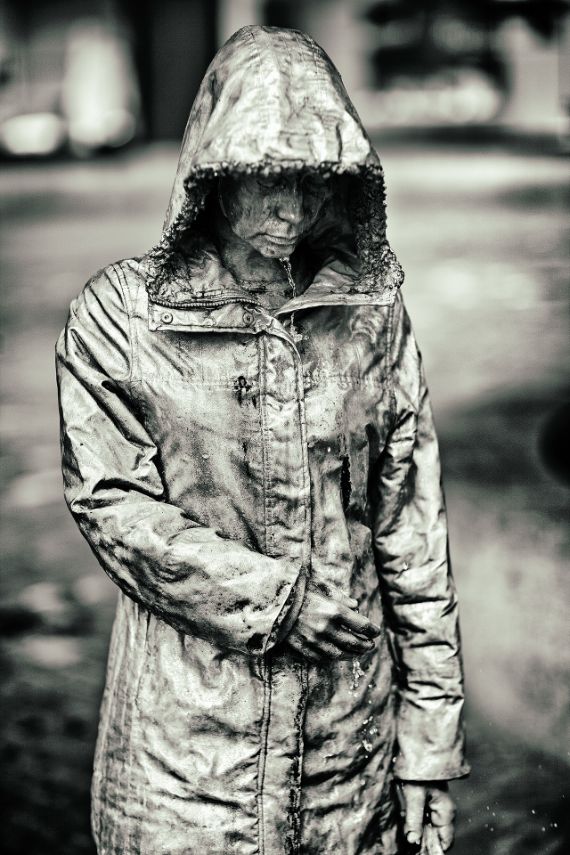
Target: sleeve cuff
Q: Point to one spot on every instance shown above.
(431, 742)
(289, 613)
(446, 774)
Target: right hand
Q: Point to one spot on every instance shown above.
(330, 627)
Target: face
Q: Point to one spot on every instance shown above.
(273, 213)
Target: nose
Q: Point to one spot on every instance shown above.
(289, 205)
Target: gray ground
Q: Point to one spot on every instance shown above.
(481, 236)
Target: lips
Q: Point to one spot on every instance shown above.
(284, 241)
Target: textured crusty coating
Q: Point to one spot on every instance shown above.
(213, 465)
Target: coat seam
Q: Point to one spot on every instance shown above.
(303, 675)
(263, 662)
(104, 726)
(265, 668)
(390, 378)
(264, 436)
(133, 710)
(123, 285)
(303, 438)
(141, 310)
(115, 836)
(301, 713)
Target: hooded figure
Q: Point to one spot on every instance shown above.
(239, 466)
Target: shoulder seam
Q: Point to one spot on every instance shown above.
(121, 281)
(391, 390)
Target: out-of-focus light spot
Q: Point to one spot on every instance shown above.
(43, 598)
(33, 134)
(474, 97)
(35, 489)
(92, 590)
(112, 128)
(99, 94)
(453, 97)
(457, 36)
(51, 651)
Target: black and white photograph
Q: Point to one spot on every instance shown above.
(285, 409)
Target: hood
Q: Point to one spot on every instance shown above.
(272, 101)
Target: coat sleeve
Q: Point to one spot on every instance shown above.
(186, 574)
(410, 536)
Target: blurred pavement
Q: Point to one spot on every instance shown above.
(482, 237)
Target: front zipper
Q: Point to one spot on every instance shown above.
(204, 303)
(265, 661)
(297, 304)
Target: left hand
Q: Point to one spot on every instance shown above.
(428, 802)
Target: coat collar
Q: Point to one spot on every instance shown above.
(201, 295)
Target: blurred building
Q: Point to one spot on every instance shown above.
(95, 74)
(413, 64)
(67, 78)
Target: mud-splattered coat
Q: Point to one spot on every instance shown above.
(214, 463)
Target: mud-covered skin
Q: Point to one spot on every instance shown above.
(214, 466)
(270, 96)
(272, 214)
(272, 103)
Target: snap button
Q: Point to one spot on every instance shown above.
(166, 317)
(247, 318)
(209, 322)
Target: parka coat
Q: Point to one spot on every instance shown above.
(214, 463)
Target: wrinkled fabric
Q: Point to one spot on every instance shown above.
(214, 464)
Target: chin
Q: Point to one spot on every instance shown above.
(274, 251)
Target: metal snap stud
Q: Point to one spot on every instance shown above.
(166, 317)
(247, 318)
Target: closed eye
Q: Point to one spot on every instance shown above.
(314, 183)
(268, 181)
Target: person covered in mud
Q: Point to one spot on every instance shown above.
(249, 450)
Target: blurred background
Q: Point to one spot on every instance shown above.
(468, 103)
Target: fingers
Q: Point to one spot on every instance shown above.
(441, 806)
(322, 614)
(333, 641)
(328, 650)
(319, 647)
(326, 589)
(356, 622)
(446, 836)
(318, 651)
(442, 814)
(302, 648)
(342, 598)
(328, 625)
(414, 807)
(347, 642)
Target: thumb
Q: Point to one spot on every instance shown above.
(414, 808)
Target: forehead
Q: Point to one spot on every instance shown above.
(289, 180)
